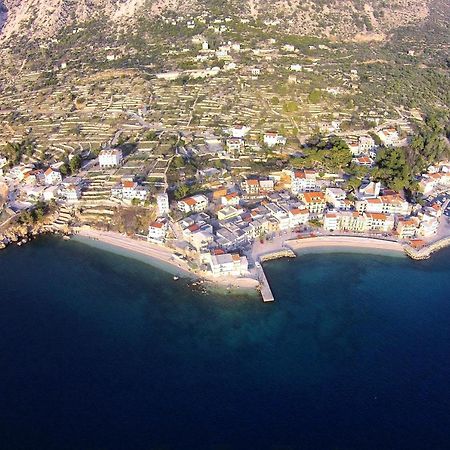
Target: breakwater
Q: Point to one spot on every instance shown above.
(285, 253)
(428, 250)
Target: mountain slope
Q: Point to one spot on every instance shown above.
(39, 19)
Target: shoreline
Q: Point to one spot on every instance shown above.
(331, 243)
(132, 248)
(162, 255)
(165, 259)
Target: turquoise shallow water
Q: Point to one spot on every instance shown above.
(99, 351)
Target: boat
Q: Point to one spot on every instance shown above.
(176, 278)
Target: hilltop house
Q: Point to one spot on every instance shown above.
(239, 131)
(389, 137)
(235, 145)
(272, 138)
(128, 189)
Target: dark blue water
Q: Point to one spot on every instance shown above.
(98, 351)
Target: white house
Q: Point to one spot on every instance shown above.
(389, 137)
(71, 192)
(162, 201)
(428, 225)
(235, 145)
(272, 138)
(407, 228)
(196, 203)
(231, 199)
(298, 217)
(52, 177)
(239, 130)
(229, 212)
(201, 239)
(303, 181)
(331, 221)
(227, 264)
(51, 193)
(379, 222)
(386, 204)
(296, 67)
(366, 145)
(433, 181)
(157, 231)
(129, 190)
(110, 158)
(369, 190)
(336, 197)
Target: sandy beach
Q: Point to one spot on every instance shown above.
(141, 247)
(164, 255)
(345, 242)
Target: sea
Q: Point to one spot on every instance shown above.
(102, 351)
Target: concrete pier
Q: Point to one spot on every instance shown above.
(266, 292)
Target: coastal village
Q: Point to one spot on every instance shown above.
(226, 163)
(233, 222)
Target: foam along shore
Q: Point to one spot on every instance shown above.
(348, 242)
(153, 254)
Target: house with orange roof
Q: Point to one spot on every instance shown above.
(128, 190)
(157, 231)
(52, 177)
(331, 221)
(196, 203)
(364, 161)
(303, 181)
(379, 222)
(298, 217)
(251, 186)
(387, 204)
(407, 228)
(314, 201)
(389, 137)
(219, 193)
(231, 199)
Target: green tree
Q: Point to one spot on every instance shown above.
(392, 169)
(181, 192)
(315, 96)
(75, 163)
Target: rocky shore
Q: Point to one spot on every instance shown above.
(20, 234)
